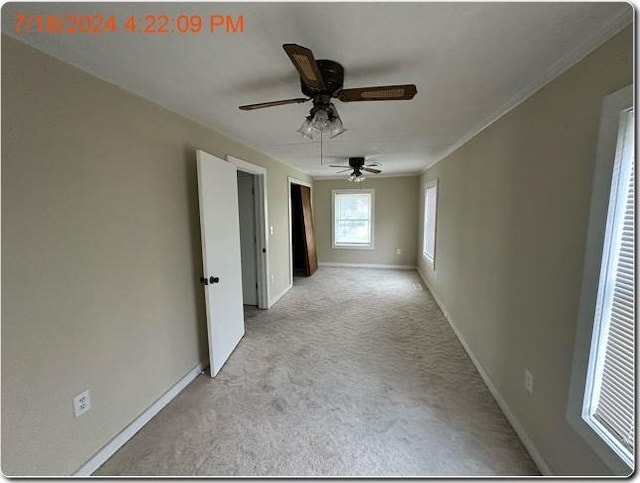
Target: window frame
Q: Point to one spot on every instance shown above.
(353, 246)
(600, 324)
(429, 258)
(613, 108)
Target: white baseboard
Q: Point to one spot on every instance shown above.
(127, 433)
(517, 427)
(367, 265)
(280, 295)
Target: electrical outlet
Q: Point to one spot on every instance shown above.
(398, 251)
(81, 403)
(528, 381)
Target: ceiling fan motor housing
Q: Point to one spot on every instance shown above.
(356, 162)
(332, 75)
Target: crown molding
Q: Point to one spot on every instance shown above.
(598, 37)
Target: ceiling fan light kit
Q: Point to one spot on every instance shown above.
(322, 119)
(306, 128)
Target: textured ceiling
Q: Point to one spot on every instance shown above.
(470, 62)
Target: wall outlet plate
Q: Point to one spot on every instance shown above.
(398, 251)
(81, 403)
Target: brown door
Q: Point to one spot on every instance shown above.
(305, 259)
(311, 260)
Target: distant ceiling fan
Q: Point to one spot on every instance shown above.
(323, 80)
(357, 165)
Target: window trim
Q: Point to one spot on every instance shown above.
(353, 246)
(596, 358)
(431, 260)
(612, 107)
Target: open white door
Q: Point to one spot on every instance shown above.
(220, 229)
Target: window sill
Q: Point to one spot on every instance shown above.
(430, 260)
(601, 432)
(595, 440)
(353, 247)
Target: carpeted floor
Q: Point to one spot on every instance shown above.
(353, 372)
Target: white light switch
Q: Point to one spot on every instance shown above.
(271, 230)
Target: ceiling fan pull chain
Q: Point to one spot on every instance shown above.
(321, 149)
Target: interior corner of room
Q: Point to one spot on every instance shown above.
(133, 225)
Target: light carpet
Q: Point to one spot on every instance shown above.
(353, 372)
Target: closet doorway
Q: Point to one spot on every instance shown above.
(303, 258)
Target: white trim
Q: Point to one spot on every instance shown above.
(127, 433)
(246, 166)
(612, 105)
(372, 213)
(367, 265)
(526, 441)
(262, 226)
(430, 259)
(275, 299)
(291, 181)
(598, 37)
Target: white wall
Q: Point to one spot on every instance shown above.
(101, 256)
(513, 205)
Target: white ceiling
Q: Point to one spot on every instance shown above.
(471, 62)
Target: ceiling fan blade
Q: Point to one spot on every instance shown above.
(380, 93)
(305, 64)
(251, 107)
(373, 163)
(344, 170)
(371, 170)
(339, 166)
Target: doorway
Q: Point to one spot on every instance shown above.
(252, 213)
(248, 241)
(303, 259)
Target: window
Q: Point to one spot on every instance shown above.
(353, 218)
(429, 229)
(601, 394)
(608, 405)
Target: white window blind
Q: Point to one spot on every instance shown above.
(430, 200)
(609, 406)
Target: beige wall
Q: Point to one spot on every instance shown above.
(100, 256)
(512, 221)
(395, 221)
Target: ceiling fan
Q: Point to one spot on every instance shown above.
(323, 80)
(357, 165)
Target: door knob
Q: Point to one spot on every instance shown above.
(213, 279)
